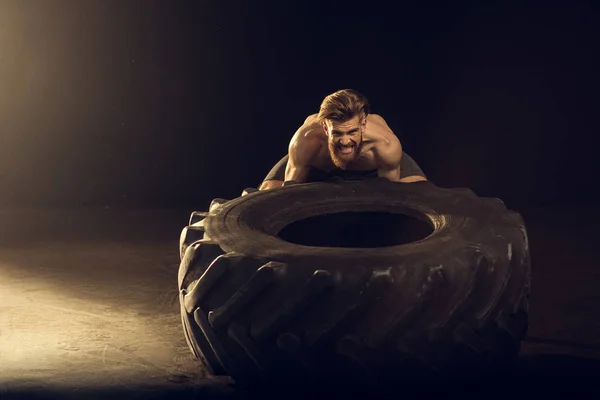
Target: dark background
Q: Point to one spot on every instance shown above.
(173, 103)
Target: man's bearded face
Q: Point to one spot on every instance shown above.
(344, 140)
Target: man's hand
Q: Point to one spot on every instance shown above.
(270, 184)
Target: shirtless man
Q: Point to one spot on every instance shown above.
(343, 140)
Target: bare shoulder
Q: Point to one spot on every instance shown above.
(311, 119)
(309, 133)
(309, 128)
(306, 142)
(377, 120)
(380, 132)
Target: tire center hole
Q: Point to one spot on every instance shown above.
(356, 229)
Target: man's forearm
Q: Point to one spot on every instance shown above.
(391, 174)
(395, 175)
(296, 174)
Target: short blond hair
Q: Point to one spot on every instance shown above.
(343, 105)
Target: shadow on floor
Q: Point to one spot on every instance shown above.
(158, 392)
(550, 376)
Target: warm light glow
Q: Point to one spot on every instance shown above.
(52, 331)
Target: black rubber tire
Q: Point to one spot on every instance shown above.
(450, 304)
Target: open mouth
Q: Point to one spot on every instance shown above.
(346, 149)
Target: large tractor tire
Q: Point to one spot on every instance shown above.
(368, 281)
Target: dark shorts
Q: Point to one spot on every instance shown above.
(408, 167)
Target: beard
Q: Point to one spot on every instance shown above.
(340, 159)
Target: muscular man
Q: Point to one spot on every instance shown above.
(344, 140)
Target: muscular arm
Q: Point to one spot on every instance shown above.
(388, 154)
(302, 151)
(387, 149)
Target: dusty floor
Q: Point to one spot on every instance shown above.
(88, 307)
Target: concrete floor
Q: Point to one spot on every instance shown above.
(88, 307)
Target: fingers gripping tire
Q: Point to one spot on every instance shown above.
(451, 300)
